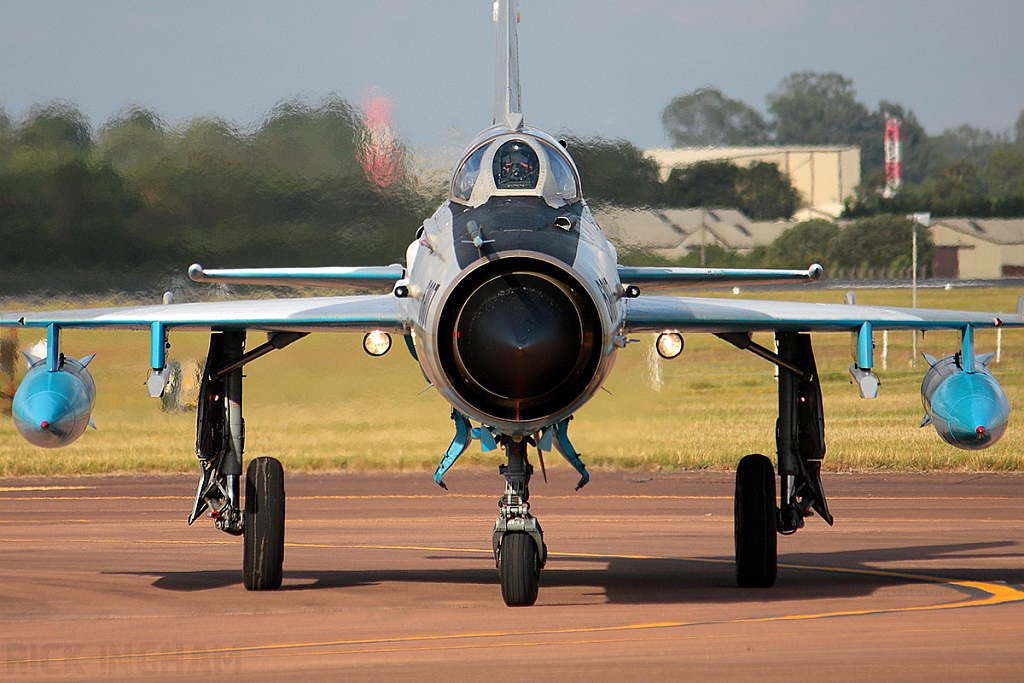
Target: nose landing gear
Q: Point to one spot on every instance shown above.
(518, 540)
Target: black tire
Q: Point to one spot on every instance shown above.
(755, 523)
(263, 561)
(519, 569)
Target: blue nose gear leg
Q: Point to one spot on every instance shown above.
(559, 434)
(463, 435)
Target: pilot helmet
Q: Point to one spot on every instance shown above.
(515, 166)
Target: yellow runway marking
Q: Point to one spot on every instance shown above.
(20, 498)
(446, 496)
(995, 594)
(14, 489)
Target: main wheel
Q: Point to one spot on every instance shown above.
(264, 525)
(755, 525)
(519, 569)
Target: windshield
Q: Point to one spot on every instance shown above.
(465, 179)
(516, 166)
(565, 179)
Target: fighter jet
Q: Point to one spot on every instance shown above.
(513, 304)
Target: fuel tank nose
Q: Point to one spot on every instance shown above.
(969, 410)
(52, 409)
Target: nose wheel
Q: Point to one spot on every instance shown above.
(519, 567)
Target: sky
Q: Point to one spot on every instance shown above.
(604, 67)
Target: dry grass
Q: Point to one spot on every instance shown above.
(323, 404)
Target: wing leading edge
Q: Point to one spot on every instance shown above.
(658, 313)
(648, 278)
(317, 314)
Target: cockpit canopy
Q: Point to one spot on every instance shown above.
(520, 163)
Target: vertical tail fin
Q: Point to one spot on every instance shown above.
(507, 107)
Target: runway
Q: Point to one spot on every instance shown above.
(389, 578)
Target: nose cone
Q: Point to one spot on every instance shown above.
(972, 411)
(519, 337)
(50, 409)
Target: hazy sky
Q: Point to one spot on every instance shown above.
(602, 67)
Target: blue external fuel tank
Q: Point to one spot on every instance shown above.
(52, 407)
(968, 409)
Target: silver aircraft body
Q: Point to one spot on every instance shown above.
(513, 304)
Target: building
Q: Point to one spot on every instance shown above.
(966, 248)
(824, 175)
(978, 248)
(672, 233)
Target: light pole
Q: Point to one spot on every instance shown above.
(703, 234)
(923, 219)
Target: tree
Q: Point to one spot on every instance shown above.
(310, 141)
(54, 134)
(6, 139)
(966, 143)
(132, 140)
(705, 183)
(765, 193)
(615, 171)
(707, 118)
(1003, 174)
(812, 108)
(880, 242)
(761, 191)
(803, 244)
(956, 181)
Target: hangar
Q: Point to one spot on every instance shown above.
(824, 175)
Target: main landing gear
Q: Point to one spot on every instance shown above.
(800, 443)
(220, 441)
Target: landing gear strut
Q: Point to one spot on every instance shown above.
(220, 436)
(518, 540)
(800, 443)
(220, 441)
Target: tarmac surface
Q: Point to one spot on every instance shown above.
(389, 578)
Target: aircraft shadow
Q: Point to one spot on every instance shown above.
(660, 581)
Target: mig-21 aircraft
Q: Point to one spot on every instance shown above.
(513, 304)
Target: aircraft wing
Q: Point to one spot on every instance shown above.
(339, 314)
(658, 313)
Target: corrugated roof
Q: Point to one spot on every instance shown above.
(674, 231)
(994, 230)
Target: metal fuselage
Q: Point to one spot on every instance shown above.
(514, 300)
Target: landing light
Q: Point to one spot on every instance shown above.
(377, 343)
(669, 344)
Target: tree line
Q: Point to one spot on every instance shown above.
(616, 172)
(964, 171)
(138, 199)
(875, 247)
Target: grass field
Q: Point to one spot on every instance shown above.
(324, 404)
